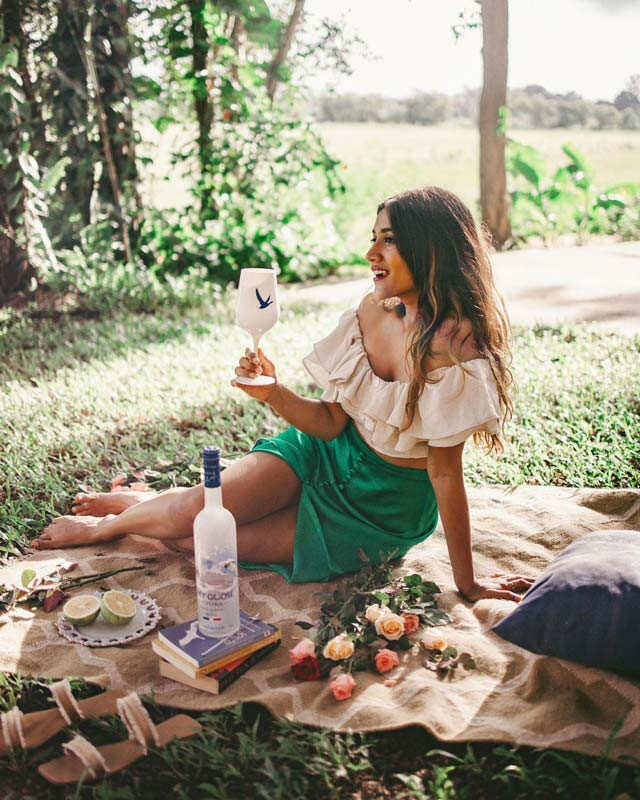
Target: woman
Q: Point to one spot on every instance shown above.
(363, 471)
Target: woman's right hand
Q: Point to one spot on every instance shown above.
(250, 365)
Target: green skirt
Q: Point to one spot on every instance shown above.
(351, 502)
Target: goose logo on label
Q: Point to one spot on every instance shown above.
(263, 303)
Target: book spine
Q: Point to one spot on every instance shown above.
(232, 656)
(233, 675)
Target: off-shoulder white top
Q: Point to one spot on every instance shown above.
(464, 400)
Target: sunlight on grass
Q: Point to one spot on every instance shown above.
(82, 400)
(85, 399)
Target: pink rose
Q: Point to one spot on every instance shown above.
(411, 622)
(342, 686)
(386, 660)
(304, 648)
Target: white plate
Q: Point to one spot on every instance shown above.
(101, 634)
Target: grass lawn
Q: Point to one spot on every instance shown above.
(83, 399)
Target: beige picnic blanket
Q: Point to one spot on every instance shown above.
(514, 696)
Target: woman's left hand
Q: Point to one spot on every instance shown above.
(498, 587)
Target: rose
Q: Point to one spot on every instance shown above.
(307, 669)
(372, 613)
(431, 641)
(411, 622)
(386, 660)
(304, 648)
(338, 648)
(342, 686)
(391, 626)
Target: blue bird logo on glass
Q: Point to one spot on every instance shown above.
(263, 303)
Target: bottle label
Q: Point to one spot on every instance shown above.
(218, 602)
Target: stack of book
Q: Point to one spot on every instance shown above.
(211, 664)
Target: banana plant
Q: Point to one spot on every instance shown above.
(568, 200)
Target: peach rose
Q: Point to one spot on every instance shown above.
(386, 660)
(342, 686)
(372, 613)
(304, 648)
(432, 641)
(391, 626)
(411, 622)
(338, 648)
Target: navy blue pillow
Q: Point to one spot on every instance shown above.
(585, 606)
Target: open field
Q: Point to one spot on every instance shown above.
(382, 159)
(379, 160)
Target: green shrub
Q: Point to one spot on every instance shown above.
(568, 201)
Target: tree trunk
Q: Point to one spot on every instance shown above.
(202, 101)
(13, 195)
(494, 199)
(110, 45)
(283, 50)
(17, 275)
(71, 119)
(88, 57)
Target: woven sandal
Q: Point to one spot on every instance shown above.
(24, 731)
(84, 762)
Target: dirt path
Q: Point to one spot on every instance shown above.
(596, 283)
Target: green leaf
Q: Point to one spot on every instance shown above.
(54, 175)
(578, 161)
(304, 625)
(27, 576)
(412, 580)
(162, 123)
(8, 56)
(382, 598)
(29, 166)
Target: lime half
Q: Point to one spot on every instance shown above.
(81, 609)
(117, 607)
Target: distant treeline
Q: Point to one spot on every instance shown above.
(530, 107)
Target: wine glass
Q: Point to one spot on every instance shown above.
(257, 311)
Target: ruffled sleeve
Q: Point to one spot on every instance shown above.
(462, 401)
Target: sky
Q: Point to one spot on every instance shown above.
(588, 46)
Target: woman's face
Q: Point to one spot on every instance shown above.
(391, 275)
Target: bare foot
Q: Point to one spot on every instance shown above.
(71, 531)
(99, 504)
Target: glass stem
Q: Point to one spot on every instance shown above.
(256, 342)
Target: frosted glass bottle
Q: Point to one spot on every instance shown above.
(216, 556)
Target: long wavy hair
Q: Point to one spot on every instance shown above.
(447, 255)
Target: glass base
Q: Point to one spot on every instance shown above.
(259, 380)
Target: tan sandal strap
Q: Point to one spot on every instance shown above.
(90, 756)
(11, 722)
(66, 702)
(137, 720)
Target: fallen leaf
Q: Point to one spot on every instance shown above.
(27, 576)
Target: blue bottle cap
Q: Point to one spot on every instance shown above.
(211, 466)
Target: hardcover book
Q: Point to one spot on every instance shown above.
(218, 680)
(204, 653)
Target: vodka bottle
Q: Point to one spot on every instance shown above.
(216, 556)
